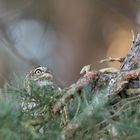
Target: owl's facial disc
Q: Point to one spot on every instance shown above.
(41, 73)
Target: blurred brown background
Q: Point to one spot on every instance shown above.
(64, 35)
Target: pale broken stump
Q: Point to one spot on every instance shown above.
(129, 68)
(132, 60)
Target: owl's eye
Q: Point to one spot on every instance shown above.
(38, 71)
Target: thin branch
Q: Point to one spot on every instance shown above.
(111, 59)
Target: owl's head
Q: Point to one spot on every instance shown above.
(39, 75)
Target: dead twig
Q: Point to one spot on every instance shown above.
(133, 92)
(111, 59)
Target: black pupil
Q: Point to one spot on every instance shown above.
(38, 71)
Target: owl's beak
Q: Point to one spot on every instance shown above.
(47, 76)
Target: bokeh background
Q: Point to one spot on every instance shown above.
(64, 35)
